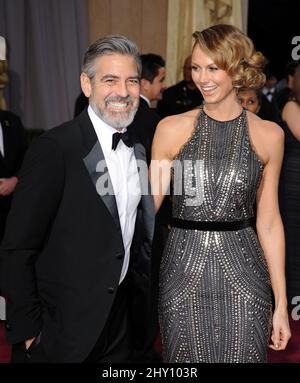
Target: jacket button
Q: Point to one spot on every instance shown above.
(119, 256)
(7, 326)
(111, 290)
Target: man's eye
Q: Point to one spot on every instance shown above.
(134, 81)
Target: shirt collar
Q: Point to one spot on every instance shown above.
(146, 99)
(266, 90)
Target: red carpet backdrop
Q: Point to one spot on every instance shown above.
(290, 355)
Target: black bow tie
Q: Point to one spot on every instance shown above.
(121, 136)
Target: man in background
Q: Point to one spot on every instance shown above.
(180, 97)
(152, 85)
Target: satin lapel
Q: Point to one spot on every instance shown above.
(96, 166)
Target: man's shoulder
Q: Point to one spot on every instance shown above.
(174, 89)
(62, 131)
(146, 114)
(12, 118)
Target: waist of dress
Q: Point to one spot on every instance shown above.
(213, 225)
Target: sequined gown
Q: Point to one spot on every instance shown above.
(214, 290)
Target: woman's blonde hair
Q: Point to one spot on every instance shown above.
(232, 51)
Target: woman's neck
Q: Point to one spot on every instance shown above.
(224, 110)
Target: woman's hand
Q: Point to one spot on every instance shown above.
(281, 332)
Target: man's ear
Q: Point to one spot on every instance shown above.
(145, 84)
(86, 85)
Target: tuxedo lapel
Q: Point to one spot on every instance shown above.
(96, 166)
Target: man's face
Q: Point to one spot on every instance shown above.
(153, 90)
(114, 90)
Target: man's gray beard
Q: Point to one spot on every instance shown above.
(119, 124)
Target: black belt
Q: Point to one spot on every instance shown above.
(213, 225)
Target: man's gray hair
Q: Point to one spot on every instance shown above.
(108, 45)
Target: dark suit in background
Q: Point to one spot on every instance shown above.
(15, 145)
(144, 125)
(179, 98)
(143, 128)
(269, 110)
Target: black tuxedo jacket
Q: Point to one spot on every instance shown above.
(144, 125)
(63, 250)
(179, 99)
(14, 150)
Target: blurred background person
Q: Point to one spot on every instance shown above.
(284, 94)
(289, 191)
(180, 97)
(13, 145)
(254, 101)
(12, 150)
(152, 84)
(250, 99)
(268, 96)
(143, 128)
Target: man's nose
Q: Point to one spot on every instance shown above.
(122, 89)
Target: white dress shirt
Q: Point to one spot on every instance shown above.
(268, 92)
(123, 172)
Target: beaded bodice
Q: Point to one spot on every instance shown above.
(216, 174)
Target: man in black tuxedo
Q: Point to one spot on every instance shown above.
(181, 97)
(12, 150)
(79, 233)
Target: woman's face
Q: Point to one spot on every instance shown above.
(249, 100)
(214, 83)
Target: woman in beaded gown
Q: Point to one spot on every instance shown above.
(216, 273)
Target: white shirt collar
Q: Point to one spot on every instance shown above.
(266, 90)
(146, 99)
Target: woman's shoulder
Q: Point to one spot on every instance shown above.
(179, 120)
(291, 106)
(264, 128)
(173, 131)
